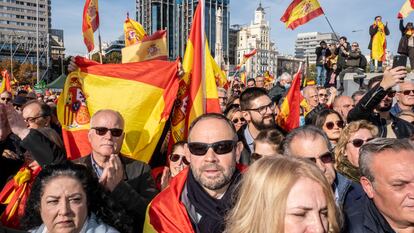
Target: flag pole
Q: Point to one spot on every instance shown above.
(100, 45)
(203, 63)
(330, 25)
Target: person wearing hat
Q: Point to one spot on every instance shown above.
(18, 103)
(406, 45)
(322, 52)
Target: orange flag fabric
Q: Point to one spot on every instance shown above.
(150, 48)
(406, 9)
(143, 92)
(289, 115)
(134, 32)
(198, 79)
(5, 84)
(246, 58)
(300, 12)
(90, 23)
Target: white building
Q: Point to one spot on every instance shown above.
(257, 36)
(307, 42)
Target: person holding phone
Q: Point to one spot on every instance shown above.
(354, 64)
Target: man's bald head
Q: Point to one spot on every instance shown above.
(103, 113)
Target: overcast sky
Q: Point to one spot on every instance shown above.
(348, 17)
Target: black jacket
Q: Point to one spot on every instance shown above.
(319, 54)
(135, 192)
(373, 30)
(341, 55)
(366, 218)
(245, 157)
(364, 110)
(403, 44)
(277, 93)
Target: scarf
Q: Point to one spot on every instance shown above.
(379, 44)
(212, 211)
(409, 32)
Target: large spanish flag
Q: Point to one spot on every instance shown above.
(90, 23)
(289, 115)
(406, 9)
(197, 90)
(149, 48)
(5, 84)
(133, 31)
(300, 12)
(379, 43)
(143, 92)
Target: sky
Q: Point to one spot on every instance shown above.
(350, 18)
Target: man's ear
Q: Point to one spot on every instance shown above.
(367, 186)
(246, 116)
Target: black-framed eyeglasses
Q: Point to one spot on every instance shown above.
(357, 142)
(6, 99)
(391, 94)
(115, 132)
(407, 92)
(33, 119)
(326, 157)
(177, 157)
(331, 124)
(220, 147)
(262, 110)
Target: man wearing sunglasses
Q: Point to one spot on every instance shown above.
(386, 167)
(376, 104)
(405, 98)
(5, 97)
(310, 142)
(129, 181)
(259, 112)
(198, 198)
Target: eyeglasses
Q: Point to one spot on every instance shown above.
(262, 110)
(354, 45)
(236, 120)
(407, 92)
(391, 94)
(357, 142)
(176, 157)
(323, 95)
(220, 147)
(6, 99)
(102, 131)
(33, 119)
(331, 124)
(326, 157)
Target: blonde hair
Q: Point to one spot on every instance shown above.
(261, 203)
(346, 133)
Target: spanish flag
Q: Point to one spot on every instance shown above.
(90, 23)
(219, 74)
(134, 31)
(246, 58)
(150, 48)
(406, 9)
(300, 12)
(289, 115)
(268, 78)
(379, 43)
(5, 84)
(197, 92)
(143, 92)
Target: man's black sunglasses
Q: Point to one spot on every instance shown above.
(103, 130)
(220, 147)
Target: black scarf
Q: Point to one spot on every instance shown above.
(213, 211)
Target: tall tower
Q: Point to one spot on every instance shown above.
(259, 15)
(219, 38)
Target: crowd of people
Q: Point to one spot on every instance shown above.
(346, 168)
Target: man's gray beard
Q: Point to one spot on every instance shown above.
(216, 184)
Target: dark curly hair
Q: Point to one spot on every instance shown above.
(98, 199)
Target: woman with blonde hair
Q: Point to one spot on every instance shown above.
(283, 194)
(353, 136)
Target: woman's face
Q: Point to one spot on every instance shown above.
(333, 126)
(180, 161)
(354, 143)
(63, 205)
(323, 96)
(306, 208)
(238, 120)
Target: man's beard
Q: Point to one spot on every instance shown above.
(384, 108)
(215, 183)
(261, 125)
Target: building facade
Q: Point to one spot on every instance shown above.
(306, 44)
(233, 31)
(18, 20)
(257, 36)
(176, 16)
